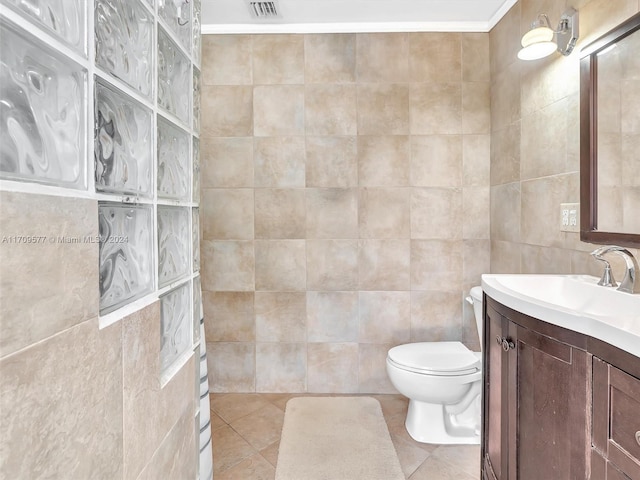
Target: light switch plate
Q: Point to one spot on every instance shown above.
(569, 217)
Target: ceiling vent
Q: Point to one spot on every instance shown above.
(264, 10)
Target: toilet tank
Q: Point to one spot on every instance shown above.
(476, 299)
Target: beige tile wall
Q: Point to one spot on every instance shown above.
(77, 401)
(345, 203)
(535, 141)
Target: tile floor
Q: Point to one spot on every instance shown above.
(246, 433)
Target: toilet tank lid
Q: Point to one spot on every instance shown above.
(434, 356)
(476, 293)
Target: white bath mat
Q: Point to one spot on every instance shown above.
(336, 438)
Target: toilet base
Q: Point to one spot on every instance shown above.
(431, 423)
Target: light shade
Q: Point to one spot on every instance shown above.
(537, 43)
(537, 34)
(537, 50)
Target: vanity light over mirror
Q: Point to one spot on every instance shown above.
(539, 41)
(610, 137)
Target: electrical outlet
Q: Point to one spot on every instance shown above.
(569, 217)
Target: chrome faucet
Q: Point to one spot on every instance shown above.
(628, 284)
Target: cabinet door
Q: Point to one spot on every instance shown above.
(616, 417)
(495, 445)
(601, 469)
(548, 392)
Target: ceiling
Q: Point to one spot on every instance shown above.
(326, 16)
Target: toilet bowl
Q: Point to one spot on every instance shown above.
(443, 383)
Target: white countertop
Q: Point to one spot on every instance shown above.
(574, 302)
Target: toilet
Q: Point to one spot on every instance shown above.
(443, 383)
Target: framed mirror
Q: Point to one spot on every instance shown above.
(610, 137)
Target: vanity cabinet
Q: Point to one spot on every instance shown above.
(544, 387)
(616, 424)
(536, 394)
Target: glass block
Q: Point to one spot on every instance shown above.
(195, 225)
(196, 427)
(196, 396)
(126, 254)
(204, 379)
(63, 18)
(173, 161)
(173, 243)
(206, 458)
(123, 149)
(196, 171)
(177, 15)
(175, 325)
(197, 38)
(196, 99)
(197, 308)
(174, 78)
(204, 431)
(124, 42)
(42, 114)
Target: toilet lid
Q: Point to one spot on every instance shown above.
(451, 358)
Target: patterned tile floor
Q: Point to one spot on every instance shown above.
(246, 434)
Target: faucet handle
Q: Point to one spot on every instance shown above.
(600, 251)
(628, 284)
(607, 279)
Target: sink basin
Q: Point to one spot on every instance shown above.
(575, 302)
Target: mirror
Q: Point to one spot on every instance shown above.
(610, 137)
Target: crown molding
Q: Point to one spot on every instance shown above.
(347, 27)
(501, 12)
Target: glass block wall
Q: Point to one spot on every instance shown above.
(99, 100)
(113, 113)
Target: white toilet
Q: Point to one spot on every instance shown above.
(443, 383)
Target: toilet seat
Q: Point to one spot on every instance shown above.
(435, 358)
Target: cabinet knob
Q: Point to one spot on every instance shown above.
(507, 344)
(638, 437)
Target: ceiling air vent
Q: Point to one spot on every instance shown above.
(266, 10)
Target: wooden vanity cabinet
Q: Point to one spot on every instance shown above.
(557, 405)
(615, 450)
(536, 394)
(495, 423)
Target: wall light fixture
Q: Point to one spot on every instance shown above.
(538, 42)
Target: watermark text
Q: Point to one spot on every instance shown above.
(61, 239)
